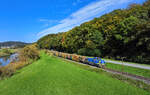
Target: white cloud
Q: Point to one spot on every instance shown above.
(47, 22)
(86, 13)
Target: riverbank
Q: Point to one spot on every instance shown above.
(26, 56)
(7, 52)
(51, 75)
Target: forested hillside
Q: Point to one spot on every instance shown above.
(119, 34)
(12, 44)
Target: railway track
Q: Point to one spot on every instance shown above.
(132, 76)
(125, 74)
(129, 64)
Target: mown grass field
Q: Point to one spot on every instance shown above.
(128, 69)
(53, 76)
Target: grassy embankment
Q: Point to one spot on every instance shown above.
(126, 62)
(53, 76)
(128, 69)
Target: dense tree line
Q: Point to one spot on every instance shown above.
(119, 34)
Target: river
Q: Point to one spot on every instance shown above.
(8, 59)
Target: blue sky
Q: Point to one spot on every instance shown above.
(28, 20)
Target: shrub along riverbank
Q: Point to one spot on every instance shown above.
(53, 76)
(26, 56)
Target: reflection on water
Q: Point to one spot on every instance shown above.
(6, 60)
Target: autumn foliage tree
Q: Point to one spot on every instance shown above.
(118, 34)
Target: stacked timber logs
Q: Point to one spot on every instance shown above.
(78, 58)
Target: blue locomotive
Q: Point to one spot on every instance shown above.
(96, 61)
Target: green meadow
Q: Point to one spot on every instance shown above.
(53, 76)
(128, 69)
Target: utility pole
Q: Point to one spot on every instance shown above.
(122, 64)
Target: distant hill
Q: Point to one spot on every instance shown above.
(12, 44)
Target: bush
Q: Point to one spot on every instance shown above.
(82, 51)
(89, 52)
(96, 53)
(26, 56)
(7, 71)
(29, 52)
(10, 69)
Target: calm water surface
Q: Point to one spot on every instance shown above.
(6, 60)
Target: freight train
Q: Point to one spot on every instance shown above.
(96, 61)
